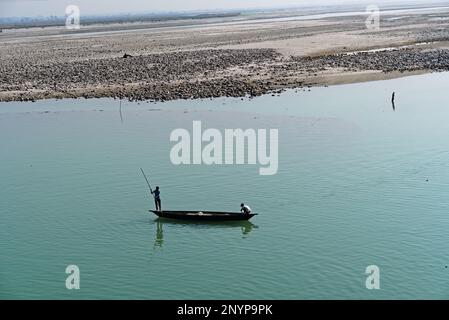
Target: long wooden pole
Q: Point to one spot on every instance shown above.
(146, 179)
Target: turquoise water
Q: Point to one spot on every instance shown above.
(358, 184)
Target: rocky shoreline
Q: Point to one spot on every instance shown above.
(200, 73)
(218, 60)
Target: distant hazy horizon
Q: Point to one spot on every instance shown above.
(34, 8)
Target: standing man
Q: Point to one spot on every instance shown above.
(157, 198)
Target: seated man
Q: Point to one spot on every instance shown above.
(245, 209)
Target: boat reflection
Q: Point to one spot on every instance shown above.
(245, 226)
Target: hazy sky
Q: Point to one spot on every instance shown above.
(10, 8)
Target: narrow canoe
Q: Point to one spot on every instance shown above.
(204, 215)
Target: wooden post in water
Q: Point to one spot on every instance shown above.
(392, 101)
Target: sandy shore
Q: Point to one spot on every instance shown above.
(221, 57)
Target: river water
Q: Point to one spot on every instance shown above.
(358, 184)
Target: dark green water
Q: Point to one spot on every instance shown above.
(358, 184)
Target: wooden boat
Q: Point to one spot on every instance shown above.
(204, 215)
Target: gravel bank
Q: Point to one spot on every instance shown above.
(232, 60)
(201, 73)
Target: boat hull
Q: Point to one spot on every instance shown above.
(203, 215)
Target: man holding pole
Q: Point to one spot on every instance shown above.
(156, 193)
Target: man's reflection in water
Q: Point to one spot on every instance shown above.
(159, 235)
(247, 228)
